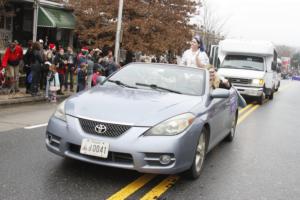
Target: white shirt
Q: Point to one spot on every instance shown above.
(189, 58)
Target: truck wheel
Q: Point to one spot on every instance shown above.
(261, 99)
(271, 96)
(276, 89)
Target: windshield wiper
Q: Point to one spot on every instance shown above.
(232, 67)
(155, 87)
(251, 68)
(122, 84)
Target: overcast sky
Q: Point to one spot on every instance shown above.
(275, 20)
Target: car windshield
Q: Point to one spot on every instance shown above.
(160, 77)
(243, 62)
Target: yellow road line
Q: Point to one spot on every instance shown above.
(244, 109)
(247, 114)
(132, 187)
(161, 188)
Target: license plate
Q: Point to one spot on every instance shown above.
(94, 148)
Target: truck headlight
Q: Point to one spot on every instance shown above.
(172, 126)
(60, 112)
(259, 82)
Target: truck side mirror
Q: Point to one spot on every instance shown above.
(274, 66)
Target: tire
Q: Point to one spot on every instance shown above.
(276, 89)
(271, 96)
(231, 134)
(195, 171)
(261, 100)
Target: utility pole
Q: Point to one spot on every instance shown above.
(118, 33)
(36, 4)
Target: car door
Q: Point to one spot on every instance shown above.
(218, 112)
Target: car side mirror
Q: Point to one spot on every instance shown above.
(274, 66)
(220, 93)
(100, 79)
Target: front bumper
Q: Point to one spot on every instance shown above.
(131, 150)
(250, 91)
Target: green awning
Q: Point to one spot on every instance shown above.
(56, 18)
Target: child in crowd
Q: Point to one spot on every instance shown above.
(81, 77)
(54, 84)
(96, 74)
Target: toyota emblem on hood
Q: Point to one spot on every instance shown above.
(100, 128)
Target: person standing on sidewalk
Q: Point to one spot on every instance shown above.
(44, 68)
(27, 66)
(36, 64)
(11, 60)
(50, 54)
(110, 65)
(71, 58)
(54, 84)
(60, 61)
(81, 77)
(90, 70)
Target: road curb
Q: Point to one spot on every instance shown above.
(20, 100)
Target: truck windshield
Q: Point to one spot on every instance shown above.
(243, 62)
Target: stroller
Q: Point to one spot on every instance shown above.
(2, 80)
(6, 84)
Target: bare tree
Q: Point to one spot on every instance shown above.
(211, 25)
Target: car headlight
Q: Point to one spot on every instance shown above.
(172, 126)
(60, 112)
(259, 82)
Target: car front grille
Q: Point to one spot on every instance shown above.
(111, 130)
(240, 81)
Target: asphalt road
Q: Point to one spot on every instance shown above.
(262, 163)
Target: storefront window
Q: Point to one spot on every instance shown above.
(8, 23)
(2, 22)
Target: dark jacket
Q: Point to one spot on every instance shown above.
(36, 60)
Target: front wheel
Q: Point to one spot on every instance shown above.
(196, 168)
(261, 99)
(271, 96)
(276, 89)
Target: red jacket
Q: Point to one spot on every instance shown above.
(12, 57)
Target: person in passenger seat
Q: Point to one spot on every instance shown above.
(215, 80)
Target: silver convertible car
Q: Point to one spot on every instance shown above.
(153, 118)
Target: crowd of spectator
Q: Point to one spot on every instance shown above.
(54, 69)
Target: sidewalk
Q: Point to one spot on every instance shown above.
(21, 97)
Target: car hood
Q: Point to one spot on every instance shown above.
(136, 107)
(241, 73)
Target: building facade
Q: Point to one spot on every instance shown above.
(55, 22)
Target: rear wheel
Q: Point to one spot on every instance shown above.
(196, 168)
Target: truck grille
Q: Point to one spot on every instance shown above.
(111, 130)
(240, 81)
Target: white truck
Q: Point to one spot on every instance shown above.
(251, 66)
